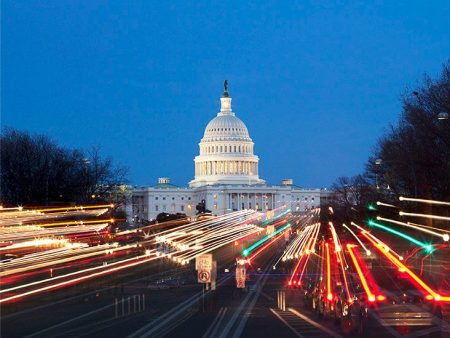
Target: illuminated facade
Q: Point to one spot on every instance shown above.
(226, 177)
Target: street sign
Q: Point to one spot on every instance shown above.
(204, 276)
(203, 262)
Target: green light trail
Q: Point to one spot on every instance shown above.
(247, 251)
(276, 217)
(428, 247)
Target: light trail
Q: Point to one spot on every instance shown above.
(445, 237)
(263, 248)
(387, 205)
(41, 243)
(276, 217)
(248, 250)
(376, 239)
(368, 253)
(341, 263)
(337, 247)
(444, 218)
(87, 222)
(429, 227)
(427, 247)
(75, 280)
(420, 200)
(47, 280)
(329, 290)
(403, 268)
(76, 208)
(370, 295)
(73, 255)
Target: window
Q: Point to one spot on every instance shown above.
(156, 198)
(243, 205)
(164, 207)
(164, 198)
(189, 198)
(182, 208)
(156, 207)
(250, 205)
(182, 198)
(173, 198)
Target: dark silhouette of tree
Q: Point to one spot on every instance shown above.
(413, 158)
(36, 170)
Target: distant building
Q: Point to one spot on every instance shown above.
(226, 178)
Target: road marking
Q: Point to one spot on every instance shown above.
(385, 325)
(314, 323)
(165, 319)
(286, 323)
(212, 330)
(261, 282)
(232, 321)
(69, 321)
(214, 333)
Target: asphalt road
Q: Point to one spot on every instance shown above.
(162, 299)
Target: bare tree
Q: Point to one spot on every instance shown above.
(414, 157)
(35, 170)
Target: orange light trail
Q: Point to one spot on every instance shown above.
(295, 269)
(329, 293)
(81, 207)
(75, 222)
(369, 293)
(404, 268)
(345, 277)
(303, 270)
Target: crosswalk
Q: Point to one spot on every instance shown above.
(302, 326)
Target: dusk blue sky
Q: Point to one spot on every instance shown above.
(316, 84)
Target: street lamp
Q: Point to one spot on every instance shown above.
(378, 162)
(443, 116)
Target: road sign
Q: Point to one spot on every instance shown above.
(203, 262)
(204, 276)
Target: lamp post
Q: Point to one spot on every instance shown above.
(442, 116)
(378, 162)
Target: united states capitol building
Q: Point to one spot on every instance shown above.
(226, 177)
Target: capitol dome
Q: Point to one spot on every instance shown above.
(226, 151)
